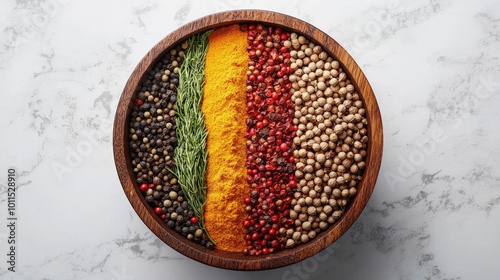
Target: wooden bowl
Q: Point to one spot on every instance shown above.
(232, 260)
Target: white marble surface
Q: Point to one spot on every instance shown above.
(434, 66)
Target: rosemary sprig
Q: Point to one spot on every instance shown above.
(190, 156)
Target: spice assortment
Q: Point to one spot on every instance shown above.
(249, 138)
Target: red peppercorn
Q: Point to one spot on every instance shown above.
(158, 210)
(144, 187)
(274, 219)
(284, 147)
(194, 220)
(247, 223)
(247, 199)
(139, 102)
(255, 236)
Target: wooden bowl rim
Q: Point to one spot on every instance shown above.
(236, 260)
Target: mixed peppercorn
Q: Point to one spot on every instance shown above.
(270, 163)
(152, 144)
(306, 140)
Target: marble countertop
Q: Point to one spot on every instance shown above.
(434, 67)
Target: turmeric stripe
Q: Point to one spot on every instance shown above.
(224, 107)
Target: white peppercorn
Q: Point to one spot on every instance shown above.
(308, 200)
(311, 210)
(323, 225)
(304, 238)
(337, 214)
(306, 225)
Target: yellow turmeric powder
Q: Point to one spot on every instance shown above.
(224, 107)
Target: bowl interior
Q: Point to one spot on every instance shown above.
(231, 260)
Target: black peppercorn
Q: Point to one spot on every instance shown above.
(184, 205)
(149, 199)
(157, 195)
(170, 224)
(180, 219)
(178, 228)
